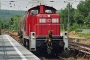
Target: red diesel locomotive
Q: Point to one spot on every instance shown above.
(40, 31)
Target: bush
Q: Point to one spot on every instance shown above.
(73, 27)
(78, 30)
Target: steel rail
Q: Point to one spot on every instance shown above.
(81, 48)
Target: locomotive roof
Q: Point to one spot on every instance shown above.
(38, 7)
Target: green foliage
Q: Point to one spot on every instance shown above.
(1, 23)
(79, 18)
(78, 30)
(64, 16)
(87, 19)
(73, 27)
(84, 10)
(7, 14)
(14, 26)
(84, 35)
(5, 17)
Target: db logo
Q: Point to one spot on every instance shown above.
(48, 20)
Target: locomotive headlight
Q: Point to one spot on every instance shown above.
(48, 15)
(65, 37)
(33, 35)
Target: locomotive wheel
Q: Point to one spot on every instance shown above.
(24, 42)
(27, 44)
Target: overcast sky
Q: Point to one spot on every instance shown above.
(26, 4)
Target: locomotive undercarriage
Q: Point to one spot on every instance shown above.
(55, 47)
(46, 45)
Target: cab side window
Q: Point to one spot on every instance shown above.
(48, 11)
(33, 12)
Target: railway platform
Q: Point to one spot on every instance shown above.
(10, 49)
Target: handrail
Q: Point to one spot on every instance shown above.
(47, 25)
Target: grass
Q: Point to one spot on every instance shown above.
(83, 35)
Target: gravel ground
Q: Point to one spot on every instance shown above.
(16, 37)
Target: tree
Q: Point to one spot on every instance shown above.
(1, 23)
(64, 16)
(78, 18)
(84, 12)
(87, 19)
(14, 22)
(84, 7)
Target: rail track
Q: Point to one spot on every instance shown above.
(60, 58)
(80, 49)
(75, 50)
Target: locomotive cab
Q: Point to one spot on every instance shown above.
(41, 31)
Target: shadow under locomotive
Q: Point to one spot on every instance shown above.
(47, 45)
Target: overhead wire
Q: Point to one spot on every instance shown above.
(34, 2)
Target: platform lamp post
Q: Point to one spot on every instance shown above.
(68, 13)
(68, 24)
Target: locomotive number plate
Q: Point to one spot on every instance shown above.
(49, 20)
